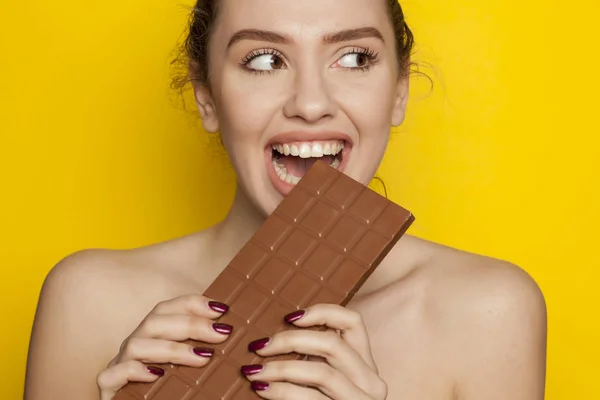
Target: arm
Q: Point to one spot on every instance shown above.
(503, 352)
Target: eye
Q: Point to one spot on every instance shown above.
(265, 60)
(358, 59)
(354, 60)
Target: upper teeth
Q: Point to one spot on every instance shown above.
(310, 149)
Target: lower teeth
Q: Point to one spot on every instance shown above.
(289, 178)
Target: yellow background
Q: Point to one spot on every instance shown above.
(500, 159)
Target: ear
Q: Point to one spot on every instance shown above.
(401, 98)
(206, 107)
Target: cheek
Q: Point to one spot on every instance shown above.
(369, 103)
(246, 106)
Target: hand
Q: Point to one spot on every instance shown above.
(158, 339)
(350, 372)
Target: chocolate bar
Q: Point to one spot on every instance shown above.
(319, 246)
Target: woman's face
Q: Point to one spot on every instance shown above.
(295, 81)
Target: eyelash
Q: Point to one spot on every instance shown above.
(257, 53)
(371, 55)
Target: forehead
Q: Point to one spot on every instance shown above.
(302, 19)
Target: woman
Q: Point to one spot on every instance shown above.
(284, 83)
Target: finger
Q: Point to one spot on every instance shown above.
(328, 380)
(348, 322)
(327, 344)
(182, 327)
(165, 351)
(286, 391)
(194, 304)
(114, 378)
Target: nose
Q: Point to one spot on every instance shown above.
(310, 98)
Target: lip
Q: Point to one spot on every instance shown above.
(299, 136)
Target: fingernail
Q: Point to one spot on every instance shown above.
(259, 385)
(258, 344)
(251, 369)
(204, 352)
(156, 371)
(218, 307)
(294, 316)
(223, 328)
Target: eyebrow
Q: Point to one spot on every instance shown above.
(353, 34)
(331, 38)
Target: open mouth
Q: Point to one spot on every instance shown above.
(292, 160)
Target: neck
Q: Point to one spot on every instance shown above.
(231, 234)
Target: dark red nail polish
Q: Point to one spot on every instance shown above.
(156, 371)
(258, 344)
(259, 385)
(223, 328)
(294, 316)
(251, 369)
(204, 352)
(218, 307)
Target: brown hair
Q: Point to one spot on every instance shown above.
(193, 54)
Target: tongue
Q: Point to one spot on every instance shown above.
(298, 166)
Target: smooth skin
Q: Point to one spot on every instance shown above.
(431, 323)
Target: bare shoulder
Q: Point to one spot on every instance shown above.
(493, 316)
(482, 285)
(89, 303)
(104, 279)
